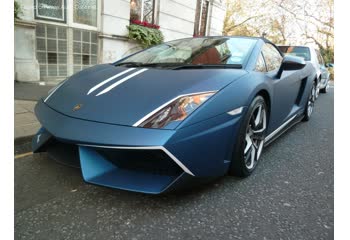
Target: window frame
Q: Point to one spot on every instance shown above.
(64, 12)
(153, 11)
(263, 59)
(73, 24)
(57, 64)
(82, 25)
(198, 21)
(279, 52)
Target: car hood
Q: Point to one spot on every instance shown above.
(120, 95)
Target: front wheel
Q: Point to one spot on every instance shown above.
(250, 142)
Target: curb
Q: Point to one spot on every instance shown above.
(23, 140)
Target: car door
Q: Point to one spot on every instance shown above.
(324, 70)
(285, 89)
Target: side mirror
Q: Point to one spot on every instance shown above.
(291, 63)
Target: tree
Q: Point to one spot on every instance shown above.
(237, 18)
(316, 22)
(294, 22)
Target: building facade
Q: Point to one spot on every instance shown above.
(57, 38)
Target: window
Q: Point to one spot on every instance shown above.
(53, 53)
(201, 18)
(51, 50)
(303, 52)
(84, 49)
(260, 64)
(85, 12)
(50, 10)
(142, 10)
(221, 50)
(273, 58)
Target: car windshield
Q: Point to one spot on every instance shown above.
(195, 51)
(303, 52)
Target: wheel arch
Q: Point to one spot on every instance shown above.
(265, 94)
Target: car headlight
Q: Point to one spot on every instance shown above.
(175, 110)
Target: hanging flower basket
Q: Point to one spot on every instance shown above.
(146, 34)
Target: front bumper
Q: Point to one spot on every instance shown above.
(198, 152)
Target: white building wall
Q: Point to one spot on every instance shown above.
(216, 18)
(176, 18)
(114, 43)
(27, 7)
(26, 64)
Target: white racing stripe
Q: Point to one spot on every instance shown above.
(279, 129)
(107, 89)
(109, 79)
(54, 90)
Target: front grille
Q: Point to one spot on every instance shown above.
(149, 161)
(64, 153)
(140, 160)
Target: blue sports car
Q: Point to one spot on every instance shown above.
(181, 112)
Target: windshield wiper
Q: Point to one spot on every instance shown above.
(206, 66)
(140, 64)
(176, 66)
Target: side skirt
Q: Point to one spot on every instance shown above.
(283, 129)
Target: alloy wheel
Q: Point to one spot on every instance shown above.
(255, 135)
(311, 101)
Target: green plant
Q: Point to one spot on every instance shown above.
(145, 36)
(17, 10)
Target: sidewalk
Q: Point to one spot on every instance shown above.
(26, 96)
(26, 124)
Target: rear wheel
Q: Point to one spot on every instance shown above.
(250, 140)
(309, 108)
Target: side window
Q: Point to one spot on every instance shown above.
(273, 58)
(260, 64)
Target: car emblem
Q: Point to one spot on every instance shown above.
(77, 107)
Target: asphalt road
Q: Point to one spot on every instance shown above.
(290, 196)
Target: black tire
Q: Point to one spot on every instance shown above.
(311, 100)
(238, 165)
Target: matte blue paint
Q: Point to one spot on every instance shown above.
(41, 137)
(97, 170)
